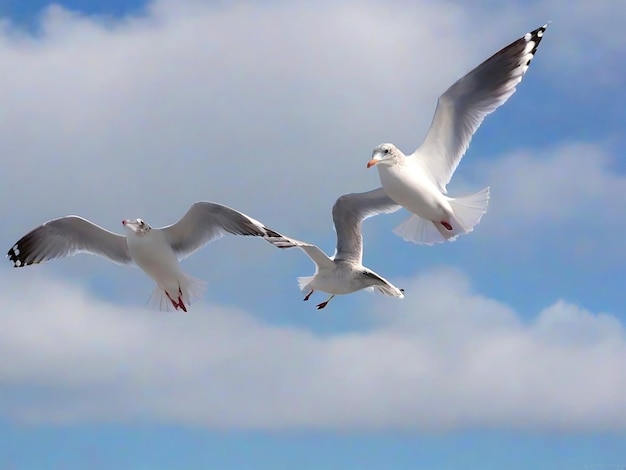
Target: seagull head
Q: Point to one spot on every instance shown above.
(136, 227)
(385, 154)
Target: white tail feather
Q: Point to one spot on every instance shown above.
(303, 282)
(418, 230)
(191, 287)
(467, 212)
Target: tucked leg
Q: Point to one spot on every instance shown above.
(178, 304)
(446, 225)
(181, 304)
(175, 304)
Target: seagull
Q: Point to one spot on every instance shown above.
(344, 272)
(418, 181)
(155, 250)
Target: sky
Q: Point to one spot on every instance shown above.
(509, 348)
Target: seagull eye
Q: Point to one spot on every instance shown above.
(386, 151)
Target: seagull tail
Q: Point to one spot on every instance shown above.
(189, 290)
(421, 231)
(193, 288)
(468, 211)
(304, 281)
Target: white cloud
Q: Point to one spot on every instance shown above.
(228, 100)
(256, 107)
(444, 358)
(207, 95)
(565, 198)
(251, 105)
(558, 183)
(245, 104)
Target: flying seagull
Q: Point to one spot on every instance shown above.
(418, 181)
(155, 250)
(344, 272)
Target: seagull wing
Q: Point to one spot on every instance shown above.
(349, 212)
(314, 252)
(462, 108)
(205, 222)
(67, 236)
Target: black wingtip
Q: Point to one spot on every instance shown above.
(271, 233)
(21, 252)
(14, 256)
(537, 33)
(279, 241)
(536, 36)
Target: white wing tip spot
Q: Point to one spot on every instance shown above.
(538, 33)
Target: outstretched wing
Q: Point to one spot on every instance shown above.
(67, 236)
(462, 108)
(320, 258)
(349, 212)
(205, 222)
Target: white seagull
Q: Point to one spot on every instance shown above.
(155, 250)
(344, 272)
(418, 181)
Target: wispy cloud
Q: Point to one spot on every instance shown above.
(565, 197)
(444, 358)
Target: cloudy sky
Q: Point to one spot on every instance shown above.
(509, 349)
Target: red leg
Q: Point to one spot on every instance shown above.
(181, 304)
(446, 225)
(175, 304)
(178, 304)
(308, 295)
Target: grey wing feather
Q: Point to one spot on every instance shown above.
(68, 236)
(205, 222)
(463, 107)
(349, 212)
(314, 252)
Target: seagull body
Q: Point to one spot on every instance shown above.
(150, 250)
(344, 273)
(155, 250)
(418, 181)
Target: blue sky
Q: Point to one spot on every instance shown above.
(509, 348)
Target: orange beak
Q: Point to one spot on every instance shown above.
(371, 163)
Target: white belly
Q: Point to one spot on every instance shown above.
(338, 281)
(414, 191)
(156, 258)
